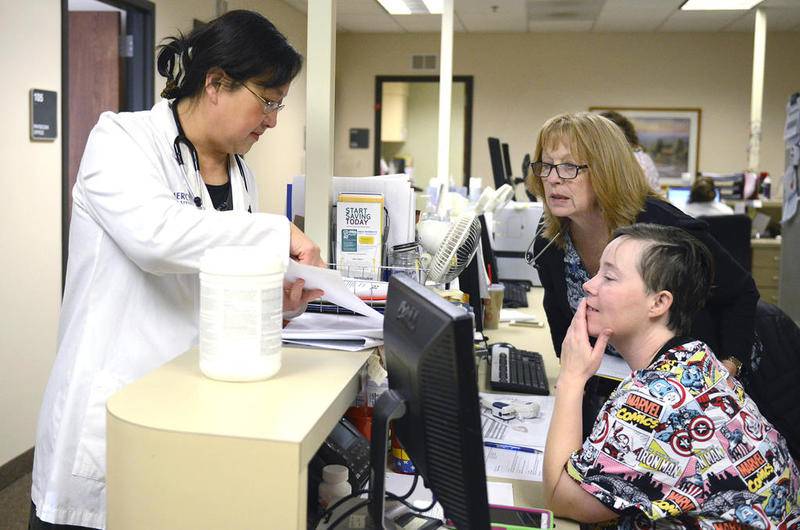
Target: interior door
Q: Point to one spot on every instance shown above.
(94, 79)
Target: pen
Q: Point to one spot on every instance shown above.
(527, 323)
(508, 447)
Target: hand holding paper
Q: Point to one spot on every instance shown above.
(332, 283)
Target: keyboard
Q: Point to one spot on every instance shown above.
(516, 294)
(514, 370)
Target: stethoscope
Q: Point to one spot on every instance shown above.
(180, 140)
(530, 257)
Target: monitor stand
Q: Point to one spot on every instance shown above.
(390, 406)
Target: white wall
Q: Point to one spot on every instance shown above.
(279, 154)
(30, 219)
(523, 79)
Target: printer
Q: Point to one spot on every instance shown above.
(514, 228)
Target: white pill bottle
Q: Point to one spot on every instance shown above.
(334, 485)
(241, 302)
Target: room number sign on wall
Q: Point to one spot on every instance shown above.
(44, 114)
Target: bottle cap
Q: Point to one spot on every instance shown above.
(334, 473)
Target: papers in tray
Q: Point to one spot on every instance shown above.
(338, 332)
(333, 331)
(333, 284)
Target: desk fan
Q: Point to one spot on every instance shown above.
(450, 245)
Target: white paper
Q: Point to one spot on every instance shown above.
(498, 492)
(790, 194)
(298, 196)
(398, 198)
(332, 283)
(367, 289)
(502, 463)
(514, 315)
(614, 367)
(332, 326)
(337, 344)
(530, 432)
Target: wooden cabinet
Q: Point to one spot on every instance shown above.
(766, 267)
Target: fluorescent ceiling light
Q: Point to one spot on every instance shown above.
(719, 5)
(412, 7)
(435, 7)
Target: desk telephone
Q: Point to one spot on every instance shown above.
(345, 445)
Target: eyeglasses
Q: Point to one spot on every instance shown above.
(269, 106)
(565, 171)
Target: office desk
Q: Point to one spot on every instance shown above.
(767, 267)
(528, 494)
(185, 451)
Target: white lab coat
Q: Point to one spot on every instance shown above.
(132, 294)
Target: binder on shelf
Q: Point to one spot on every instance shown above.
(359, 235)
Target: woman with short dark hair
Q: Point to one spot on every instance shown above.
(678, 444)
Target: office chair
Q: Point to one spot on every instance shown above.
(733, 233)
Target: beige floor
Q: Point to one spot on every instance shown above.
(15, 503)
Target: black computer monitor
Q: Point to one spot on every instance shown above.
(433, 400)
(507, 163)
(496, 158)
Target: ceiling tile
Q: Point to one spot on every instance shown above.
(564, 10)
(700, 20)
(368, 24)
(424, 23)
(777, 20)
(643, 15)
(493, 24)
(554, 26)
(499, 16)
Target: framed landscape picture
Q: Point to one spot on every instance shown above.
(670, 136)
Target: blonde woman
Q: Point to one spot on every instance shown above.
(591, 184)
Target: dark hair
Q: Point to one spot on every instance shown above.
(244, 44)
(623, 123)
(703, 190)
(674, 260)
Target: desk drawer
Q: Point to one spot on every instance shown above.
(766, 276)
(769, 294)
(766, 257)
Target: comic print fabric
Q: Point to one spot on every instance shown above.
(680, 445)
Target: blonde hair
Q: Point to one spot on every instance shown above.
(614, 173)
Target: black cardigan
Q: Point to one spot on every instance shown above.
(728, 320)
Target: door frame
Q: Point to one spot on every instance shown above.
(137, 83)
(468, 81)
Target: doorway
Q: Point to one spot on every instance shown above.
(407, 124)
(107, 50)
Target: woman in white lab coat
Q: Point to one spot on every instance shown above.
(154, 190)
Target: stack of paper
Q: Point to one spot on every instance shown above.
(398, 198)
(338, 332)
(342, 332)
(514, 448)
